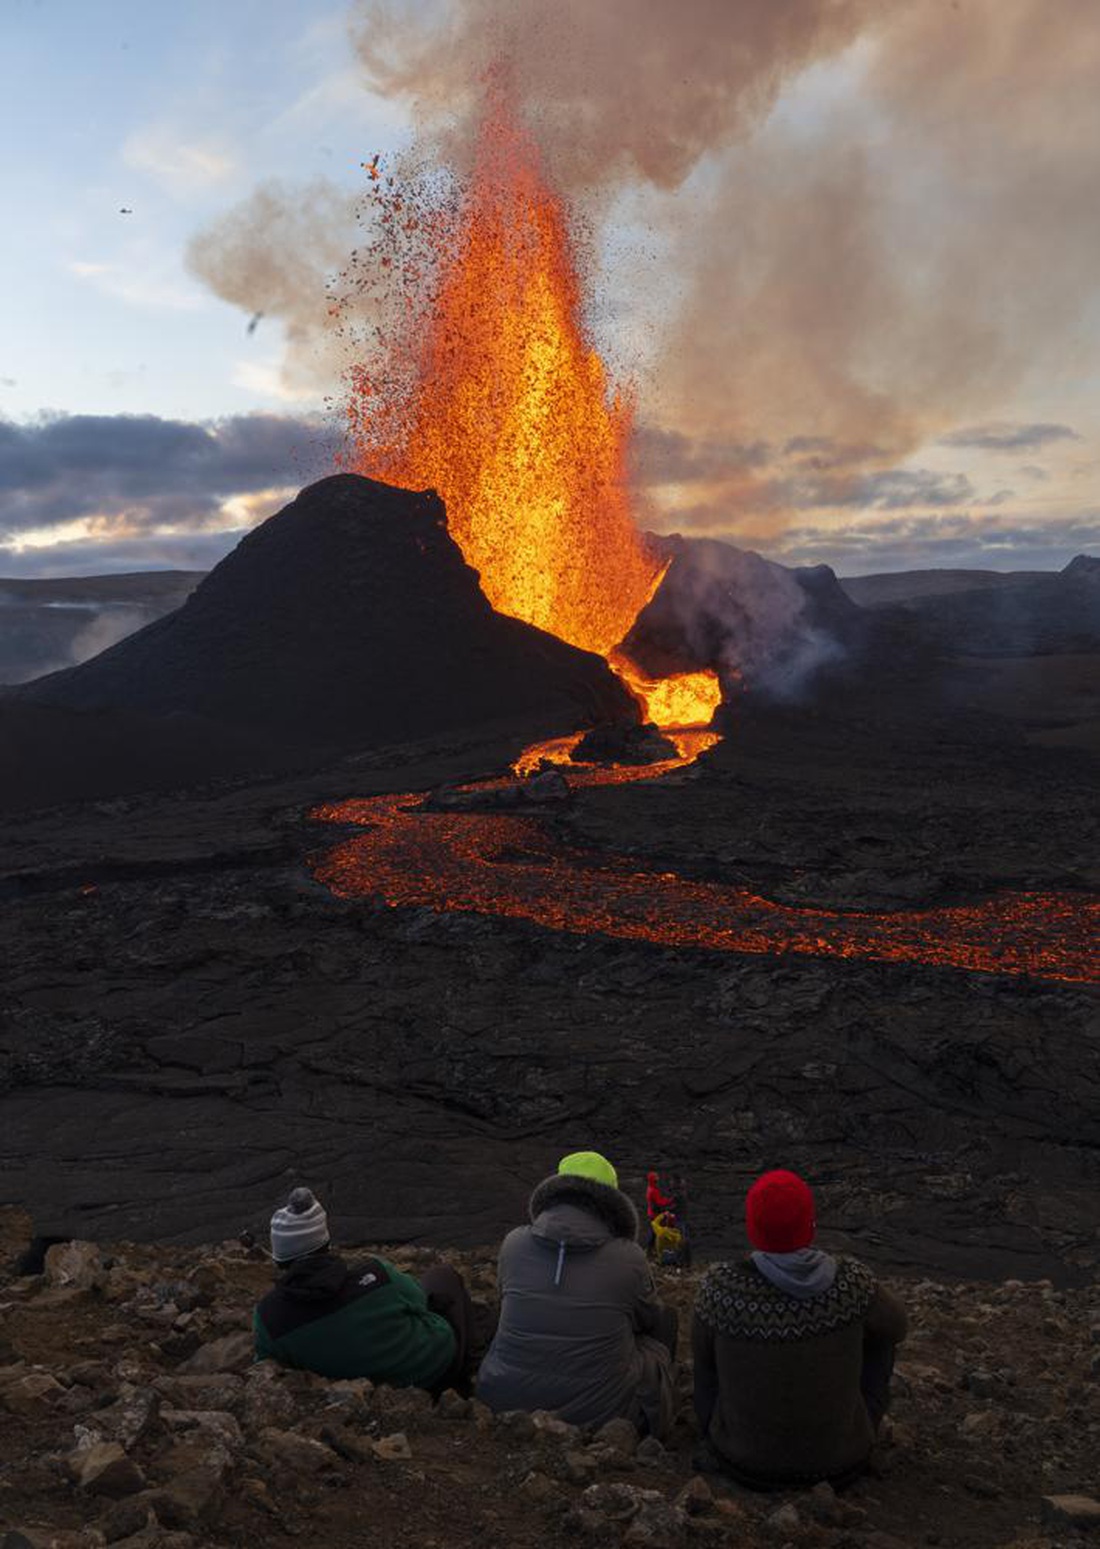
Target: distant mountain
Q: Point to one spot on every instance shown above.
(47, 625)
(1028, 614)
(902, 586)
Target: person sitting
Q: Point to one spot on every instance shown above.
(363, 1320)
(794, 1350)
(581, 1331)
(668, 1239)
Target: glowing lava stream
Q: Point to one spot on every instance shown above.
(502, 864)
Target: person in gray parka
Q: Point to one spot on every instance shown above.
(581, 1330)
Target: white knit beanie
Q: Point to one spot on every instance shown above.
(298, 1228)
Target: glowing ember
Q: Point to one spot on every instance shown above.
(511, 866)
(509, 417)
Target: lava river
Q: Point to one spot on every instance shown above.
(500, 863)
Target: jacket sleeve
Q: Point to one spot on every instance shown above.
(646, 1309)
(706, 1372)
(262, 1343)
(886, 1317)
(409, 1290)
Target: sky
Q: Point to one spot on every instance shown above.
(854, 335)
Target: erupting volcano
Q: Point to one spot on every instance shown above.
(509, 415)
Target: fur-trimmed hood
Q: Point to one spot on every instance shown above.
(609, 1206)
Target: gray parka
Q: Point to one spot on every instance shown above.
(577, 1310)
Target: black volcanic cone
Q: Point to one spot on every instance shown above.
(348, 619)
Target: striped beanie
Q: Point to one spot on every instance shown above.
(298, 1227)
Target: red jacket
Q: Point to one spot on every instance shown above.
(655, 1201)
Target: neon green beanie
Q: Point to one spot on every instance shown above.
(589, 1164)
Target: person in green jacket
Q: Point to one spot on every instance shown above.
(359, 1320)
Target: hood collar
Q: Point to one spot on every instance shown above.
(608, 1205)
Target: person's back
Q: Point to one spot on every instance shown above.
(793, 1350)
(340, 1320)
(581, 1332)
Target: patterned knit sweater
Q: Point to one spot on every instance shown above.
(736, 1300)
(778, 1378)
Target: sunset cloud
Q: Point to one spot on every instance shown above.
(1003, 436)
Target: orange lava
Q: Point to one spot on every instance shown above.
(503, 864)
(559, 751)
(509, 416)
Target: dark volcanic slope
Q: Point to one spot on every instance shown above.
(348, 620)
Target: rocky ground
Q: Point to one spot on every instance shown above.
(188, 1021)
(131, 1414)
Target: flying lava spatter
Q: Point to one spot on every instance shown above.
(509, 416)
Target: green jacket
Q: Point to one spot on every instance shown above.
(362, 1320)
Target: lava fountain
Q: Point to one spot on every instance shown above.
(510, 417)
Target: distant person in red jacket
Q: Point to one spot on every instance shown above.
(655, 1200)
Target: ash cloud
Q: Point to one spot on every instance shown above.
(275, 253)
(621, 91)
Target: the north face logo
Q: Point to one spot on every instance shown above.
(369, 1279)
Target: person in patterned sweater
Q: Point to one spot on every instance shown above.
(794, 1351)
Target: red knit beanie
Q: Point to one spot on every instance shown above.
(779, 1213)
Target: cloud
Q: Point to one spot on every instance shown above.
(962, 540)
(140, 284)
(183, 167)
(894, 489)
(95, 557)
(1004, 436)
(106, 476)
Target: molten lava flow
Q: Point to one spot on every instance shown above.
(683, 699)
(689, 744)
(511, 866)
(509, 417)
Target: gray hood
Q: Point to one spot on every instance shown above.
(599, 1201)
(572, 1225)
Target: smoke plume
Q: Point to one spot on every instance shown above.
(857, 223)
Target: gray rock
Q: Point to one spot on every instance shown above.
(658, 1525)
(620, 1434)
(78, 1265)
(105, 1469)
(696, 1497)
(32, 1395)
(783, 1520)
(125, 1518)
(393, 1449)
(1070, 1511)
(217, 1423)
(300, 1454)
(232, 1353)
(452, 1406)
